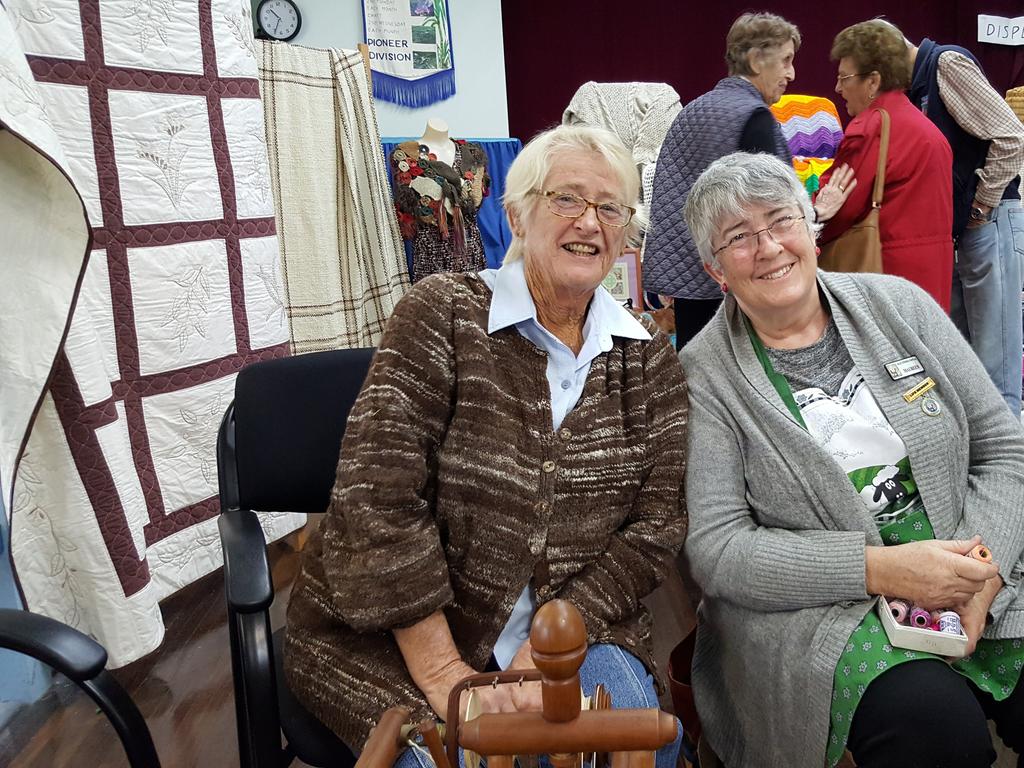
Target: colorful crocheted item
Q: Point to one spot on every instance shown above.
(812, 130)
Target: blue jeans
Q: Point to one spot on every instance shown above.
(626, 680)
(986, 301)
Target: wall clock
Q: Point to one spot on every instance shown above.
(278, 19)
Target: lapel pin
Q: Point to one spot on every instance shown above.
(930, 406)
(919, 389)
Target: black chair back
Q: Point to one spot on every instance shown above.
(277, 451)
(289, 418)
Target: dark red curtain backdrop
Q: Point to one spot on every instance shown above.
(553, 46)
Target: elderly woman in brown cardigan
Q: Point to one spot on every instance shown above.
(520, 437)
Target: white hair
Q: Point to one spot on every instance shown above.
(532, 166)
(734, 184)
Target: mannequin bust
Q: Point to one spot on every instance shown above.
(435, 136)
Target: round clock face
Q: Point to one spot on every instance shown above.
(279, 19)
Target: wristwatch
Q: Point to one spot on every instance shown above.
(977, 214)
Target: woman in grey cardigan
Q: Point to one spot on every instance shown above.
(823, 477)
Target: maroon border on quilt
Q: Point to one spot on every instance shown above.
(79, 420)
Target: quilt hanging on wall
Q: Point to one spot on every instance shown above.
(410, 44)
(156, 106)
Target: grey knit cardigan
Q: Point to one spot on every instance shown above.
(777, 533)
(453, 493)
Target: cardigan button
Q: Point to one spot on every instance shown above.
(543, 591)
(548, 466)
(565, 434)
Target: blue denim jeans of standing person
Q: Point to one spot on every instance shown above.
(986, 299)
(624, 677)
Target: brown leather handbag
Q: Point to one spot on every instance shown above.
(679, 662)
(859, 249)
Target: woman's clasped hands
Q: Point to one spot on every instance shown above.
(934, 574)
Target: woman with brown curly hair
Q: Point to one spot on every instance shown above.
(916, 215)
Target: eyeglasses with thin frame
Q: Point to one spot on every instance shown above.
(747, 243)
(570, 206)
(841, 78)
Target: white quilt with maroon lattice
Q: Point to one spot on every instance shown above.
(156, 104)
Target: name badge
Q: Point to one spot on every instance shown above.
(919, 389)
(908, 366)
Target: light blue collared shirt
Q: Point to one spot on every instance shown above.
(512, 305)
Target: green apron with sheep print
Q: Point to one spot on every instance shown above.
(855, 431)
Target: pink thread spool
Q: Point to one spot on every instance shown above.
(920, 618)
(900, 610)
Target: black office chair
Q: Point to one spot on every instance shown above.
(277, 450)
(83, 661)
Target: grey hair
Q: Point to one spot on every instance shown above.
(532, 166)
(761, 34)
(734, 184)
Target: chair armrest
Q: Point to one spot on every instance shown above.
(82, 660)
(247, 582)
(73, 654)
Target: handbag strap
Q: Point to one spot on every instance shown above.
(883, 156)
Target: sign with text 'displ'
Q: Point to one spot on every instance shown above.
(1000, 30)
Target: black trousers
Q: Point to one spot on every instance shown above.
(691, 317)
(922, 714)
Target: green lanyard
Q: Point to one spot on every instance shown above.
(778, 380)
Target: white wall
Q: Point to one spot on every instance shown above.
(479, 108)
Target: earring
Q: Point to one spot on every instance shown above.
(724, 286)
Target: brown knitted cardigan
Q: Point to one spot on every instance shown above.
(453, 492)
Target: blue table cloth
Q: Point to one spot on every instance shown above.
(494, 227)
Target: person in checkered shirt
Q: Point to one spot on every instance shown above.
(987, 140)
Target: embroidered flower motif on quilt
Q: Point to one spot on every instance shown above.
(269, 275)
(254, 177)
(167, 153)
(32, 13)
(240, 25)
(34, 516)
(24, 98)
(196, 427)
(151, 20)
(189, 307)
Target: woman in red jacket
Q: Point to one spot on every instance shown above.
(916, 217)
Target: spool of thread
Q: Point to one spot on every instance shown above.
(981, 552)
(949, 622)
(920, 618)
(900, 610)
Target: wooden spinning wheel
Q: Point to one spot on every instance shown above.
(562, 730)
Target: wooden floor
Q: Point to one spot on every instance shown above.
(183, 690)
